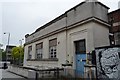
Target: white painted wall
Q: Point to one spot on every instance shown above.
(53, 27)
(101, 35)
(96, 35)
(61, 51)
(79, 33)
(77, 14)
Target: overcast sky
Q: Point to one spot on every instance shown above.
(20, 17)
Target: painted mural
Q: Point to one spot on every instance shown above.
(108, 63)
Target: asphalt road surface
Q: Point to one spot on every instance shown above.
(5, 75)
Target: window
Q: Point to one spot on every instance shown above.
(29, 52)
(53, 48)
(39, 50)
(80, 46)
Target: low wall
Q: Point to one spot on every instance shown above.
(18, 70)
(46, 73)
(40, 73)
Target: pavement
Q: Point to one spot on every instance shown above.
(5, 75)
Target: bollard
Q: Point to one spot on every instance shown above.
(32, 75)
(57, 72)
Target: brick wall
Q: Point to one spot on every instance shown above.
(114, 21)
(114, 17)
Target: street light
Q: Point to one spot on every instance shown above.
(1, 45)
(21, 42)
(7, 43)
(20, 51)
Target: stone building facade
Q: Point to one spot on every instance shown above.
(68, 38)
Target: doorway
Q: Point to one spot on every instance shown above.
(80, 52)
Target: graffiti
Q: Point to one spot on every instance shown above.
(108, 63)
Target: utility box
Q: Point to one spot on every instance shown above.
(32, 75)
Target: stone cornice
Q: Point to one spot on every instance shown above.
(90, 19)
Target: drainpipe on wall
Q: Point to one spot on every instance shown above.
(111, 33)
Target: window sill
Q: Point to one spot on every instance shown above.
(48, 59)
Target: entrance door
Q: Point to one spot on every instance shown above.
(80, 51)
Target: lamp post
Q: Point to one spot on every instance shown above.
(21, 42)
(20, 51)
(1, 45)
(7, 43)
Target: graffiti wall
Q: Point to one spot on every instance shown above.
(108, 63)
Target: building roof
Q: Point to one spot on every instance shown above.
(61, 16)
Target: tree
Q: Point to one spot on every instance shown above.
(17, 55)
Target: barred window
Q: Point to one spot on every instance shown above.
(53, 48)
(39, 51)
(29, 52)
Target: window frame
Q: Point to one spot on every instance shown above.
(39, 51)
(53, 48)
(29, 52)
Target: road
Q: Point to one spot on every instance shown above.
(5, 75)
